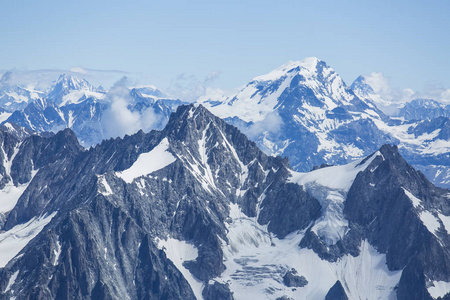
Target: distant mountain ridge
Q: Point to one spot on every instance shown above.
(423, 109)
(74, 103)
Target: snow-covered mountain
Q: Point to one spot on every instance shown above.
(304, 110)
(197, 211)
(417, 109)
(69, 89)
(365, 91)
(74, 103)
(423, 109)
(14, 96)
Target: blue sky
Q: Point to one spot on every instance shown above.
(157, 41)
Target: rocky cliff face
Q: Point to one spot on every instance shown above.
(196, 211)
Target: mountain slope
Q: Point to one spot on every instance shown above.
(304, 110)
(198, 211)
(423, 109)
(364, 90)
(69, 89)
(14, 96)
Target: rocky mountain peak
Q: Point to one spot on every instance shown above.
(67, 84)
(71, 82)
(361, 87)
(149, 91)
(308, 66)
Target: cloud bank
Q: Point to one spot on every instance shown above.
(382, 86)
(190, 88)
(272, 123)
(119, 119)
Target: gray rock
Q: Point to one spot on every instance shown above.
(217, 291)
(336, 292)
(292, 279)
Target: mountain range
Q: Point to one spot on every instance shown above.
(302, 110)
(207, 208)
(74, 103)
(197, 211)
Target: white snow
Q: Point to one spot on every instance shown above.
(9, 196)
(15, 239)
(415, 201)
(71, 119)
(256, 261)
(423, 144)
(308, 64)
(446, 220)
(335, 177)
(332, 225)
(11, 281)
(244, 169)
(9, 127)
(430, 221)
(250, 104)
(17, 97)
(57, 253)
(4, 116)
(10, 193)
(149, 162)
(191, 113)
(75, 97)
(104, 187)
(244, 231)
(329, 186)
(439, 289)
(204, 158)
(437, 147)
(178, 252)
(255, 101)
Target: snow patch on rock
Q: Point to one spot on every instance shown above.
(335, 177)
(104, 187)
(11, 281)
(415, 201)
(439, 289)
(149, 162)
(179, 252)
(15, 239)
(430, 221)
(256, 261)
(446, 221)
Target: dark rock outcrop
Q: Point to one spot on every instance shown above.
(336, 292)
(292, 279)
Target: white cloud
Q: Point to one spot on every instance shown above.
(382, 86)
(78, 70)
(445, 96)
(119, 120)
(272, 123)
(190, 88)
(212, 76)
(378, 82)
